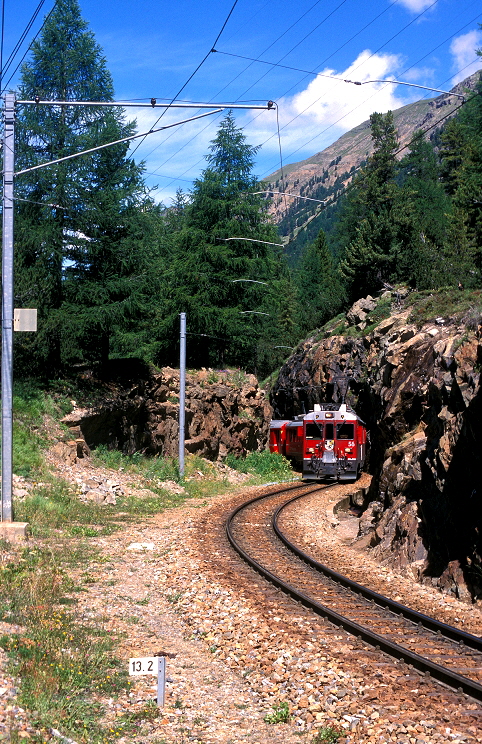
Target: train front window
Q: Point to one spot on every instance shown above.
(329, 431)
(313, 431)
(345, 431)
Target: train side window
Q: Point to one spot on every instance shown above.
(313, 431)
(345, 431)
(329, 431)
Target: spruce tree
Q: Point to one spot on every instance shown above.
(81, 253)
(368, 228)
(462, 173)
(225, 323)
(319, 288)
(377, 228)
(425, 207)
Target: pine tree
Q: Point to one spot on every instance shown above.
(80, 234)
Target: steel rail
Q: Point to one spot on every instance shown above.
(447, 677)
(448, 631)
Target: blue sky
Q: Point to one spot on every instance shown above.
(152, 48)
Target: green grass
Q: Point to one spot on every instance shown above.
(31, 406)
(65, 666)
(55, 506)
(327, 735)
(152, 468)
(62, 665)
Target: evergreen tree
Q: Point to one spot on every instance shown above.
(370, 225)
(462, 173)
(81, 253)
(319, 288)
(426, 208)
(224, 315)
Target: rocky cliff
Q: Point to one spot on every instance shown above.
(416, 383)
(225, 412)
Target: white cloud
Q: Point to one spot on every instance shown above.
(463, 50)
(415, 6)
(328, 107)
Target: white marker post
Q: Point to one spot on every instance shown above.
(155, 665)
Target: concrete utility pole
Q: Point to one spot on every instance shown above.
(7, 306)
(182, 393)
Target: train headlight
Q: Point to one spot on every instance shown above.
(310, 451)
(348, 449)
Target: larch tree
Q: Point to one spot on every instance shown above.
(81, 252)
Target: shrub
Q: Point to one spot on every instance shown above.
(266, 464)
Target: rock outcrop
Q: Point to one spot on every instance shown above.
(418, 388)
(225, 412)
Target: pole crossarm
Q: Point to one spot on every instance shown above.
(116, 142)
(128, 104)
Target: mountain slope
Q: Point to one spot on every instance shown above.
(326, 174)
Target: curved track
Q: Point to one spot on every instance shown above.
(447, 654)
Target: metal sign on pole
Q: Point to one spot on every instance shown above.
(182, 393)
(7, 306)
(154, 665)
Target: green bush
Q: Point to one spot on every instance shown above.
(267, 464)
(280, 714)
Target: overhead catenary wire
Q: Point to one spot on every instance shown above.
(3, 89)
(244, 92)
(110, 144)
(193, 73)
(238, 75)
(318, 134)
(23, 36)
(418, 136)
(264, 51)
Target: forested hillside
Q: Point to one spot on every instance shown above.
(110, 270)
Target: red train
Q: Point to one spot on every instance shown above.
(329, 442)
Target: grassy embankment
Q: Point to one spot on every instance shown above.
(62, 665)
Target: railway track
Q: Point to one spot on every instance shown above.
(447, 654)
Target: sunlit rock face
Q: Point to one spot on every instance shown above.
(418, 389)
(226, 411)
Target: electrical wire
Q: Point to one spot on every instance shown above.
(319, 134)
(418, 136)
(237, 76)
(192, 74)
(320, 64)
(1, 43)
(29, 48)
(23, 36)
